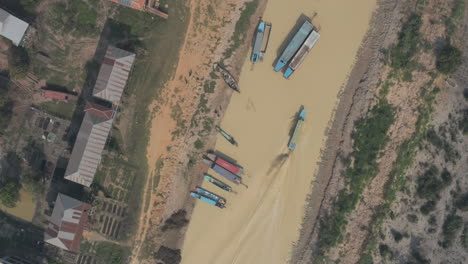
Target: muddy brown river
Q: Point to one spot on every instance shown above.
(261, 222)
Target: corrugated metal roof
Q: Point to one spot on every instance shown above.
(113, 74)
(58, 95)
(67, 222)
(135, 4)
(89, 144)
(12, 27)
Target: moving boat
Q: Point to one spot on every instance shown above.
(261, 41)
(297, 130)
(207, 200)
(294, 45)
(226, 136)
(218, 183)
(302, 53)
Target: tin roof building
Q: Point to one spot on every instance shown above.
(57, 95)
(12, 27)
(135, 4)
(89, 144)
(67, 222)
(113, 74)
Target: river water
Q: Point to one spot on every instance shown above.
(261, 222)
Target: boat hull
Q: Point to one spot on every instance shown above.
(294, 45)
(302, 52)
(297, 130)
(217, 183)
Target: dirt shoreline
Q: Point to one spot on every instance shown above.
(354, 100)
(174, 162)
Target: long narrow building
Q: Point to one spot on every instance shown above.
(89, 144)
(113, 75)
(67, 223)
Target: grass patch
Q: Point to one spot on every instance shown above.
(198, 144)
(408, 41)
(241, 28)
(59, 108)
(457, 13)
(107, 252)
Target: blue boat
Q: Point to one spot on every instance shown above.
(261, 41)
(305, 48)
(207, 200)
(297, 130)
(294, 45)
(210, 195)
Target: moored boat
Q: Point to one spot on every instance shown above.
(309, 43)
(228, 137)
(294, 45)
(207, 200)
(210, 195)
(261, 41)
(228, 78)
(218, 183)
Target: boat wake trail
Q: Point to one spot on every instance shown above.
(278, 163)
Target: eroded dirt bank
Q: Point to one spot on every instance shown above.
(409, 92)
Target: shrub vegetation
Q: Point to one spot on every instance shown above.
(448, 60)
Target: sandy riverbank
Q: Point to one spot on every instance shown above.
(262, 222)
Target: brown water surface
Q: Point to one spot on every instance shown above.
(24, 208)
(261, 223)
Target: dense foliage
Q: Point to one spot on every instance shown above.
(9, 194)
(452, 224)
(407, 46)
(369, 139)
(449, 59)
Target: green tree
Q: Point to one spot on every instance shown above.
(9, 194)
(448, 60)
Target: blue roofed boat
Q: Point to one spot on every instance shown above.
(297, 130)
(207, 200)
(294, 45)
(261, 41)
(209, 194)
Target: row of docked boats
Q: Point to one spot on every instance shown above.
(224, 167)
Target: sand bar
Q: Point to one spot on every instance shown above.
(261, 223)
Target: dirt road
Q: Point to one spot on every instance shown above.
(261, 223)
